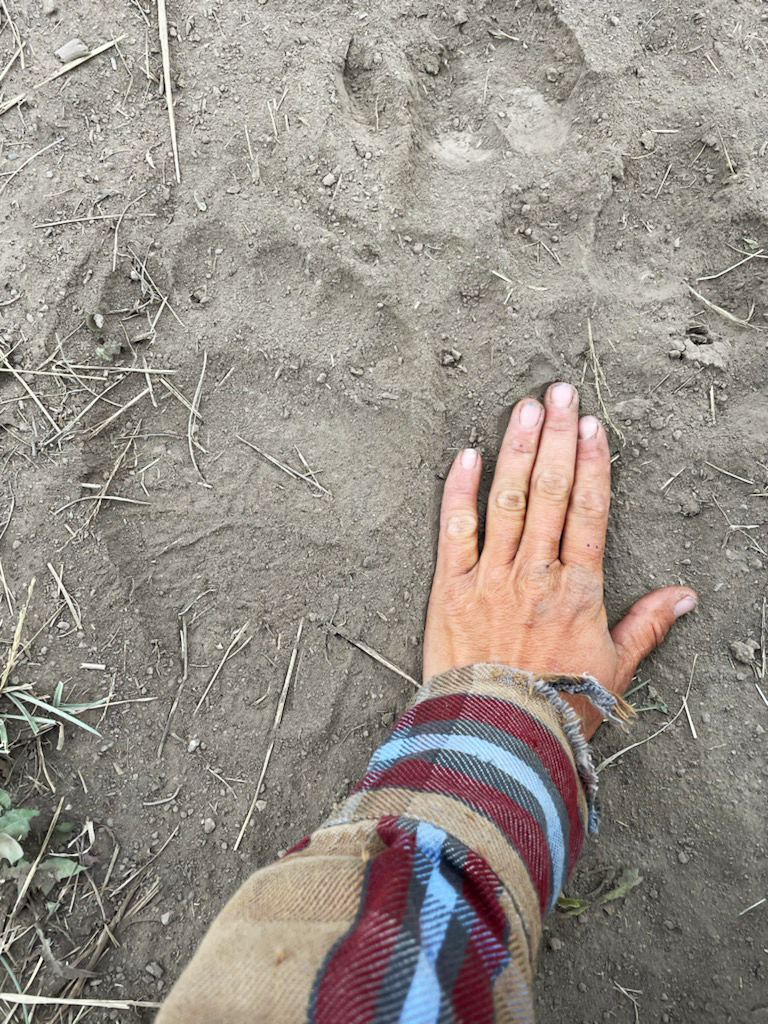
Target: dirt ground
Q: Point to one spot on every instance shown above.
(392, 222)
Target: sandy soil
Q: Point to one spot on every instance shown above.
(432, 204)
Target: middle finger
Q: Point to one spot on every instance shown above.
(552, 477)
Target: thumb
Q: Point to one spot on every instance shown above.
(647, 623)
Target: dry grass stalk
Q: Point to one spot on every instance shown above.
(361, 646)
(6, 591)
(599, 376)
(691, 726)
(12, 370)
(229, 653)
(16, 642)
(723, 312)
(23, 96)
(192, 425)
(275, 726)
(14, 32)
(726, 473)
(162, 22)
(722, 273)
(123, 408)
(36, 862)
(92, 219)
(667, 725)
(29, 160)
(25, 999)
(62, 590)
(308, 477)
(76, 419)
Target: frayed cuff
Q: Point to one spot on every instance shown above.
(611, 706)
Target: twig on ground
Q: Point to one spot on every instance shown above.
(162, 22)
(275, 727)
(10, 513)
(14, 57)
(66, 429)
(723, 312)
(29, 160)
(93, 218)
(15, 643)
(671, 480)
(140, 871)
(25, 999)
(630, 995)
(691, 726)
(99, 498)
(74, 610)
(309, 477)
(229, 653)
(117, 228)
(123, 408)
(22, 96)
(17, 376)
(361, 646)
(759, 903)
(105, 489)
(599, 376)
(192, 424)
(14, 31)
(36, 862)
(726, 473)
(722, 273)
(640, 743)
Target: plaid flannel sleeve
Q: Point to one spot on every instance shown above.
(421, 899)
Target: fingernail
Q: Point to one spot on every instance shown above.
(687, 604)
(561, 395)
(530, 414)
(469, 458)
(587, 427)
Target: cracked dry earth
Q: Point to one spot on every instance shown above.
(393, 221)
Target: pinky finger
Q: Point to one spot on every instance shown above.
(457, 546)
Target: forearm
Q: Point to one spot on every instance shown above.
(423, 895)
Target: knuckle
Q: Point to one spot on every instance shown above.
(553, 485)
(583, 587)
(590, 502)
(461, 525)
(510, 499)
(459, 600)
(535, 578)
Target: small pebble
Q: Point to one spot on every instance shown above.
(613, 20)
(330, 179)
(154, 969)
(72, 50)
(683, 857)
(208, 826)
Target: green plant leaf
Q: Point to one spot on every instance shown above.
(15, 823)
(58, 711)
(571, 907)
(53, 870)
(5, 799)
(62, 833)
(10, 849)
(629, 878)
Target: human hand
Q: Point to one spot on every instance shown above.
(534, 598)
